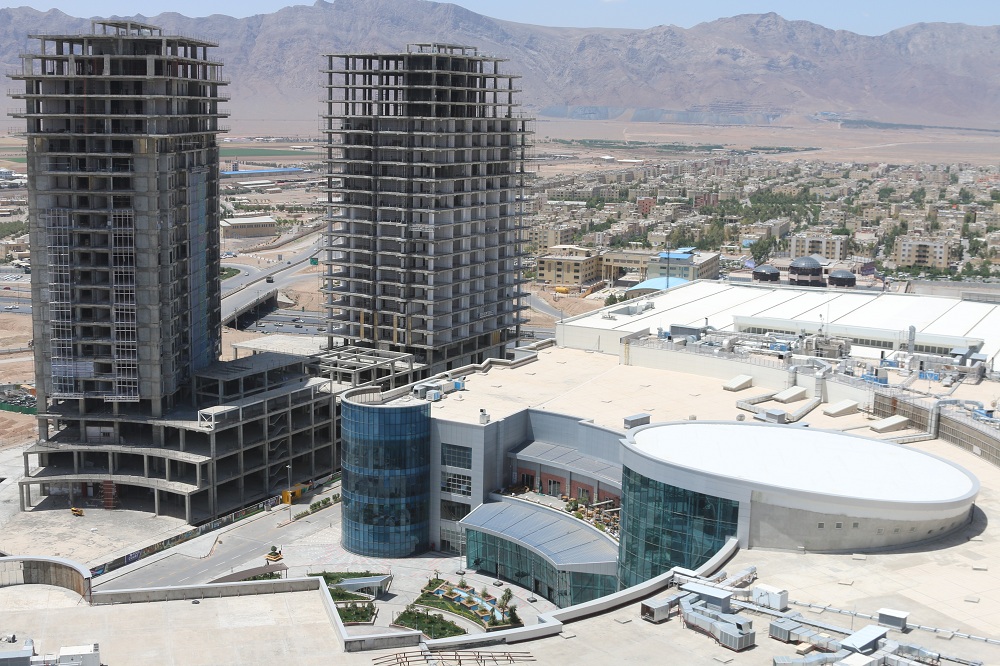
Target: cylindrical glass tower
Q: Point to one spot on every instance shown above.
(386, 476)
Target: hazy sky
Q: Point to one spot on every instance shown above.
(869, 17)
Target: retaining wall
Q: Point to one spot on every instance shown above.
(46, 571)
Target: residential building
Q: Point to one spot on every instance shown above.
(426, 178)
(569, 265)
(923, 251)
(544, 236)
(832, 246)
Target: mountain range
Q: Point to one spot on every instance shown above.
(756, 69)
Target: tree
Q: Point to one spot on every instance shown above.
(761, 249)
(506, 598)
(512, 614)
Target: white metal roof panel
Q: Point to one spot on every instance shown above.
(899, 312)
(563, 540)
(799, 301)
(961, 318)
(837, 306)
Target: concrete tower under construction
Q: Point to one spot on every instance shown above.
(124, 226)
(425, 155)
(123, 199)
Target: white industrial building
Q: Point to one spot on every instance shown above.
(875, 323)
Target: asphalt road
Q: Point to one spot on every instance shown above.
(241, 547)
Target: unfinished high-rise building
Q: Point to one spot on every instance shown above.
(425, 155)
(123, 195)
(124, 201)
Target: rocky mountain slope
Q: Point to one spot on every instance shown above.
(751, 69)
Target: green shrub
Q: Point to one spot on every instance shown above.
(434, 626)
(334, 577)
(357, 612)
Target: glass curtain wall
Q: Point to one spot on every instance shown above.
(505, 559)
(664, 526)
(386, 479)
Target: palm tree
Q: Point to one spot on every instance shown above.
(505, 600)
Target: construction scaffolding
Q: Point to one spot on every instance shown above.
(63, 365)
(125, 352)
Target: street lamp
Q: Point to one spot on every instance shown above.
(289, 468)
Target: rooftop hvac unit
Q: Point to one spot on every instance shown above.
(775, 416)
(433, 395)
(420, 391)
(484, 417)
(636, 420)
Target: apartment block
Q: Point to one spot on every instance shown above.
(831, 246)
(930, 252)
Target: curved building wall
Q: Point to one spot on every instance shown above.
(385, 478)
(511, 561)
(663, 526)
(824, 491)
(55, 571)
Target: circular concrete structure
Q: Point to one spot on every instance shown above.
(804, 488)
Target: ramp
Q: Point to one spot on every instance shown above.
(793, 394)
(891, 424)
(738, 383)
(842, 408)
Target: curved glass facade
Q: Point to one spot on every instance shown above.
(386, 479)
(513, 562)
(664, 526)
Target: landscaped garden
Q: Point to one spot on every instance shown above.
(462, 599)
(431, 625)
(364, 612)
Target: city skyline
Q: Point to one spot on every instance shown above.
(853, 15)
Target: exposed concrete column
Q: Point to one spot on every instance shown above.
(20, 496)
(156, 501)
(166, 467)
(187, 508)
(76, 462)
(197, 474)
(145, 465)
(111, 462)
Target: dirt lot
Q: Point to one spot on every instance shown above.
(570, 305)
